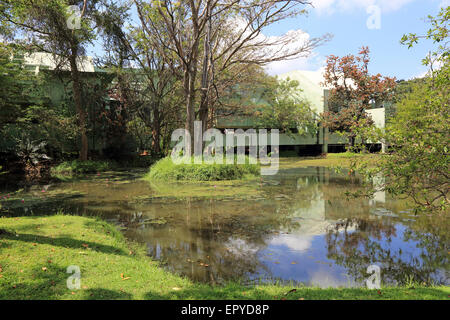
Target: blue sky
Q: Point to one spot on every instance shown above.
(347, 21)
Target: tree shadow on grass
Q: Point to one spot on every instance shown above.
(43, 285)
(51, 284)
(106, 294)
(212, 293)
(34, 227)
(65, 242)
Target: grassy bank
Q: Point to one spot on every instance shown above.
(166, 170)
(36, 251)
(331, 160)
(77, 167)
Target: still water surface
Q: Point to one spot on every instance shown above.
(297, 226)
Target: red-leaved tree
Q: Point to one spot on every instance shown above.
(352, 91)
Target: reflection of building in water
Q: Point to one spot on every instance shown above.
(380, 195)
(312, 213)
(326, 202)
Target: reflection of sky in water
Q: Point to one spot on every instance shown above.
(303, 258)
(282, 233)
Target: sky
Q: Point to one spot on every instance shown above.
(356, 23)
(378, 24)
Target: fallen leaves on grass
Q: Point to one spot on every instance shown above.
(123, 277)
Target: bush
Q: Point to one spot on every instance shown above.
(165, 169)
(137, 162)
(81, 167)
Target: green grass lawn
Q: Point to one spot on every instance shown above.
(36, 251)
(332, 160)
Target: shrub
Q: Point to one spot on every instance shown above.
(165, 169)
(81, 167)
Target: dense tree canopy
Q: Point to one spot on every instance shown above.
(353, 91)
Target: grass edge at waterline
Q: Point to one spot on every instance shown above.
(77, 167)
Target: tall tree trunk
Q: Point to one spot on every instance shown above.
(76, 85)
(189, 86)
(156, 131)
(351, 141)
(204, 103)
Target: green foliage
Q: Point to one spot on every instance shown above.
(81, 167)
(10, 90)
(166, 169)
(286, 110)
(438, 33)
(401, 91)
(19, 89)
(31, 152)
(419, 134)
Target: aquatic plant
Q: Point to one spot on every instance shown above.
(166, 169)
(81, 167)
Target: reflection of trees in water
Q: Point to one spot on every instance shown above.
(225, 236)
(357, 243)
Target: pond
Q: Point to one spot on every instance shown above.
(296, 227)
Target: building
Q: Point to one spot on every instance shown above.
(317, 95)
(310, 83)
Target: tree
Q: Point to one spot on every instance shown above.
(402, 90)
(353, 91)
(20, 93)
(286, 110)
(46, 26)
(203, 37)
(438, 33)
(146, 86)
(11, 76)
(419, 134)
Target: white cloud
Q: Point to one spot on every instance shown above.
(293, 242)
(282, 45)
(328, 278)
(281, 67)
(444, 3)
(331, 6)
(307, 61)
